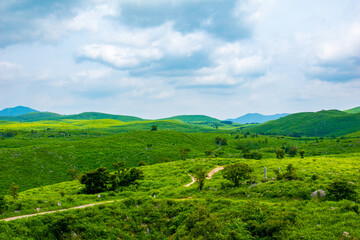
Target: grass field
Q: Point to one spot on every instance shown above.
(37, 156)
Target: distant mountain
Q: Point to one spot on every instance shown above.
(322, 123)
(257, 118)
(353, 110)
(16, 111)
(193, 118)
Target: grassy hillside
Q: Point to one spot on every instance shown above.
(160, 207)
(41, 154)
(41, 116)
(34, 160)
(323, 123)
(194, 118)
(96, 115)
(353, 110)
(32, 117)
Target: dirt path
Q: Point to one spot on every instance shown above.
(215, 170)
(193, 181)
(60, 210)
(209, 175)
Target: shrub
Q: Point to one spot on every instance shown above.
(280, 153)
(3, 205)
(341, 189)
(253, 155)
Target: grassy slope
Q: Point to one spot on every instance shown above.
(353, 110)
(40, 157)
(281, 209)
(41, 116)
(34, 161)
(323, 123)
(96, 115)
(194, 118)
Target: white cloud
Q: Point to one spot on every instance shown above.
(120, 57)
(9, 65)
(341, 43)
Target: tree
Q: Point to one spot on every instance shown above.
(280, 153)
(13, 190)
(200, 177)
(221, 141)
(125, 176)
(236, 172)
(302, 153)
(154, 128)
(96, 180)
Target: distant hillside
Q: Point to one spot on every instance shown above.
(33, 117)
(16, 111)
(41, 116)
(323, 123)
(194, 118)
(257, 118)
(353, 110)
(97, 115)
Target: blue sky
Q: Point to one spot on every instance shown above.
(153, 59)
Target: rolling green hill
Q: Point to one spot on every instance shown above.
(41, 116)
(96, 115)
(32, 117)
(161, 207)
(353, 110)
(322, 123)
(194, 118)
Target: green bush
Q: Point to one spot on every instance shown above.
(341, 189)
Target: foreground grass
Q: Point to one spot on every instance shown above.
(160, 206)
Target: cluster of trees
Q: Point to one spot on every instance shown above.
(100, 179)
(221, 141)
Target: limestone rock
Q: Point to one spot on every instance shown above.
(318, 193)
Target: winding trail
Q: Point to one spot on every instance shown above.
(193, 181)
(215, 170)
(54, 211)
(209, 176)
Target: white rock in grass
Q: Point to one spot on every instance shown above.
(318, 193)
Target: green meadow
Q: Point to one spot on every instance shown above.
(39, 157)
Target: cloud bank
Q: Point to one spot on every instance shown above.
(159, 58)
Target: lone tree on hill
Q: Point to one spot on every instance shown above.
(200, 178)
(13, 190)
(96, 180)
(236, 172)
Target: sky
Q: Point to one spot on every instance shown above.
(160, 58)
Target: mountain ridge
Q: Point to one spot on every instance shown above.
(257, 118)
(16, 111)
